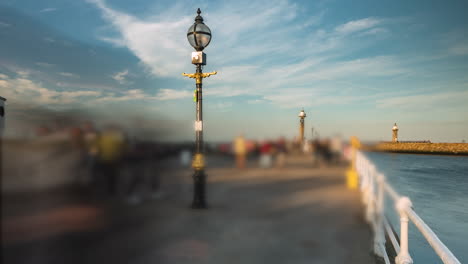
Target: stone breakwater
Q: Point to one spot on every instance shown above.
(422, 148)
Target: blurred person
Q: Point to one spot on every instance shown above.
(42, 130)
(89, 155)
(326, 152)
(336, 148)
(251, 145)
(79, 146)
(256, 149)
(316, 151)
(185, 158)
(281, 152)
(141, 159)
(306, 147)
(265, 154)
(110, 145)
(290, 146)
(240, 151)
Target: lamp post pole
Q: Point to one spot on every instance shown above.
(199, 36)
(302, 115)
(199, 176)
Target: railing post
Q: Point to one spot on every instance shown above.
(370, 212)
(403, 257)
(379, 233)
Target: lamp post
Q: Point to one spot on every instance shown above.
(199, 36)
(2, 126)
(302, 116)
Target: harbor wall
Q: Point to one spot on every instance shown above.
(421, 148)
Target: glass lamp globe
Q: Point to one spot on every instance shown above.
(199, 34)
(302, 114)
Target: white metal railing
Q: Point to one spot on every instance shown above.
(374, 188)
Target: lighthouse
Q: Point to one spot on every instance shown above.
(395, 133)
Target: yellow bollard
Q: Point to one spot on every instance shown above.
(351, 179)
(351, 173)
(198, 162)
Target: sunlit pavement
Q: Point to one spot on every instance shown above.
(297, 214)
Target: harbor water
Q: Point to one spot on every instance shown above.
(438, 188)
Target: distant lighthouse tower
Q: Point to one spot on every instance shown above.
(395, 133)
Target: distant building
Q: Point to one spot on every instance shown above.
(395, 133)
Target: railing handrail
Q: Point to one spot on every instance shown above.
(372, 180)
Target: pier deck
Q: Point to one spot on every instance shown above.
(297, 214)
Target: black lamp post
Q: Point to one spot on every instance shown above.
(199, 36)
(302, 115)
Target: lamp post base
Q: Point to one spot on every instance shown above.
(199, 178)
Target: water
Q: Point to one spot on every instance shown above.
(438, 188)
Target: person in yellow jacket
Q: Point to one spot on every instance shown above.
(240, 150)
(110, 147)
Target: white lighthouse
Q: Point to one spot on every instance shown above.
(395, 133)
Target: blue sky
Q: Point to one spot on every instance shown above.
(356, 67)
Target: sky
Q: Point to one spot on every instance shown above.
(355, 67)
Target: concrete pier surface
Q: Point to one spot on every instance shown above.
(296, 214)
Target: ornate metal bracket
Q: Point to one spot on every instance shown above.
(199, 76)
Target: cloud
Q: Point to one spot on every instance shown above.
(426, 101)
(24, 90)
(171, 94)
(4, 24)
(256, 101)
(357, 25)
(44, 64)
(49, 9)
(313, 20)
(459, 49)
(69, 74)
(264, 51)
(374, 31)
(161, 45)
(49, 40)
(120, 77)
(138, 94)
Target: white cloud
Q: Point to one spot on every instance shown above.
(264, 51)
(121, 77)
(374, 31)
(171, 94)
(44, 64)
(357, 25)
(256, 101)
(4, 24)
(48, 39)
(159, 44)
(22, 73)
(426, 101)
(3, 76)
(48, 9)
(459, 49)
(25, 90)
(69, 74)
(137, 94)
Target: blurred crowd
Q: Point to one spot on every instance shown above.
(272, 153)
(114, 164)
